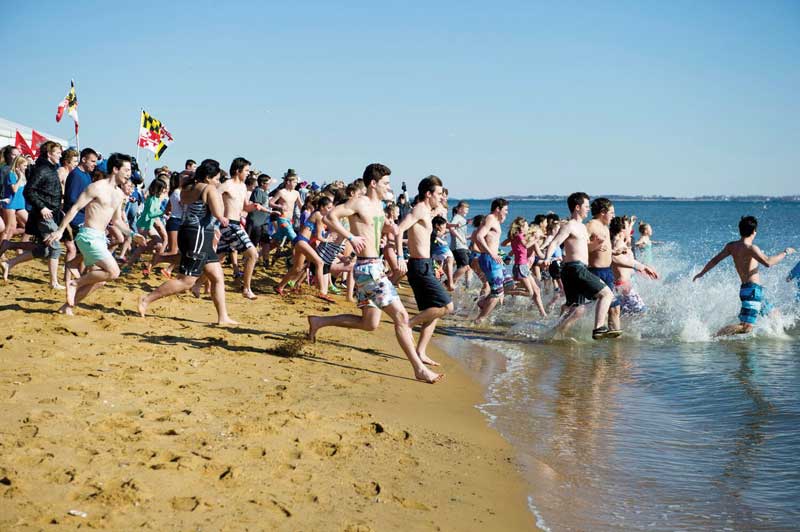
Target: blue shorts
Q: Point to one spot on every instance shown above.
(283, 230)
(494, 273)
(607, 276)
(753, 303)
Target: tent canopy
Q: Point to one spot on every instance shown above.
(8, 133)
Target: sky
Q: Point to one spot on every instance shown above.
(679, 98)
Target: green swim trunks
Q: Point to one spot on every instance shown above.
(92, 245)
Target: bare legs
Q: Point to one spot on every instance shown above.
(369, 321)
(185, 282)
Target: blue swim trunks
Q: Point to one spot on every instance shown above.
(494, 273)
(284, 229)
(753, 303)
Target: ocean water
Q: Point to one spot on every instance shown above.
(666, 428)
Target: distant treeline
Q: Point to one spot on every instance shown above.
(621, 197)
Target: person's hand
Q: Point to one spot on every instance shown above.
(47, 214)
(650, 272)
(359, 243)
(696, 277)
(497, 258)
(402, 268)
(224, 222)
(55, 236)
(789, 251)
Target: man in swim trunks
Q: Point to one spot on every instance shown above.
(488, 238)
(236, 200)
(746, 257)
(374, 290)
(433, 301)
(600, 255)
(580, 285)
(285, 201)
(102, 202)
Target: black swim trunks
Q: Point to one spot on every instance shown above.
(197, 249)
(608, 277)
(462, 257)
(428, 291)
(580, 285)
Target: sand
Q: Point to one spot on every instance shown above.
(169, 423)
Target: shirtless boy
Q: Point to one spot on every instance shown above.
(746, 257)
(103, 202)
(623, 265)
(580, 284)
(432, 299)
(284, 201)
(235, 200)
(374, 290)
(488, 238)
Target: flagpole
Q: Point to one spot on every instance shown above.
(77, 137)
(137, 134)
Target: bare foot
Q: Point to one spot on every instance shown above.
(312, 328)
(449, 286)
(227, 321)
(57, 286)
(427, 360)
(71, 289)
(249, 294)
(196, 290)
(428, 376)
(65, 309)
(142, 306)
(6, 269)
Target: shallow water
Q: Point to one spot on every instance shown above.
(665, 428)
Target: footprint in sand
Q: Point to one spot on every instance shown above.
(368, 489)
(185, 504)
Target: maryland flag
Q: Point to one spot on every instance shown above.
(153, 135)
(70, 103)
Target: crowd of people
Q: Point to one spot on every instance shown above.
(355, 238)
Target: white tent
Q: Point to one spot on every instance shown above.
(8, 133)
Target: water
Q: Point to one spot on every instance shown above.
(666, 428)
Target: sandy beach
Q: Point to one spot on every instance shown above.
(116, 422)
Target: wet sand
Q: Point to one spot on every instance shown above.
(168, 423)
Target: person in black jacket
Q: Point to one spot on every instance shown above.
(43, 192)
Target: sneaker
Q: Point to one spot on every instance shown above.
(333, 289)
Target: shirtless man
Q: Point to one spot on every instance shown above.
(374, 290)
(285, 201)
(488, 238)
(746, 257)
(235, 199)
(432, 299)
(103, 202)
(600, 254)
(580, 284)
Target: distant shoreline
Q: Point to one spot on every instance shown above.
(615, 197)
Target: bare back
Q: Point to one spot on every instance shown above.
(745, 259)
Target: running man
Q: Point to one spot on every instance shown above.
(600, 254)
(374, 290)
(101, 203)
(580, 285)
(433, 301)
(488, 239)
(236, 199)
(746, 257)
(285, 200)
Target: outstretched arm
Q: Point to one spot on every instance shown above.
(83, 200)
(713, 262)
(773, 260)
(626, 260)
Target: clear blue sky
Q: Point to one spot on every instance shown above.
(679, 97)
